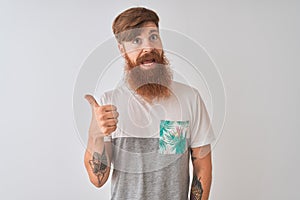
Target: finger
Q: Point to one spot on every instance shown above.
(110, 122)
(110, 115)
(108, 108)
(91, 100)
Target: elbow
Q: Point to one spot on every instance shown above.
(97, 184)
(99, 181)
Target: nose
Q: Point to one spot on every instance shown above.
(147, 50)
(147, 47)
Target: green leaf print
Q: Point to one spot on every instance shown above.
(180, 144)
(162, 145)
(165, 126)
(172, 138)
(183, 123)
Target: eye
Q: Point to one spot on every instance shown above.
(137, 41)
(154, 37)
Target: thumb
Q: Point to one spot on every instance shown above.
(91, 100)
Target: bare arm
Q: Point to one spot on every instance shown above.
(202, 173)
(98, 155)
(97, 162)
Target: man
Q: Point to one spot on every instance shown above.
(149, 124)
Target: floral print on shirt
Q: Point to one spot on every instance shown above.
(172, 137)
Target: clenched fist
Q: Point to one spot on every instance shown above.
(104, 118)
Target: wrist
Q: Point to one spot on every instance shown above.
(96, 139)
(107, 138)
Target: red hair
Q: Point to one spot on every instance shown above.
(132, 18)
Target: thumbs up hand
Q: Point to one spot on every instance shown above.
(104, 118)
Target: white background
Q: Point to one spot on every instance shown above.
(255, 44)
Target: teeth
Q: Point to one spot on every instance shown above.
(147, 64)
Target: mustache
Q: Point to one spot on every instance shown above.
(152, 56)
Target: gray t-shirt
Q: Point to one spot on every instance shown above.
(152, 141)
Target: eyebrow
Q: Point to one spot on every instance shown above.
(152, 31)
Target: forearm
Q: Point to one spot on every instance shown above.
(202, 174)
(97, 160)
(201, 184)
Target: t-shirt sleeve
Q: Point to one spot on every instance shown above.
(201, 129)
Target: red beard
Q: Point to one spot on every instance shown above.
(149, 83)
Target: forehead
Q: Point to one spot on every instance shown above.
(148, 27)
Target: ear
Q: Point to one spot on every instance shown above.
(122, 49)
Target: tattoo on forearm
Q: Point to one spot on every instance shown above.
(196, 189)
(99, 164)
(193, 157)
